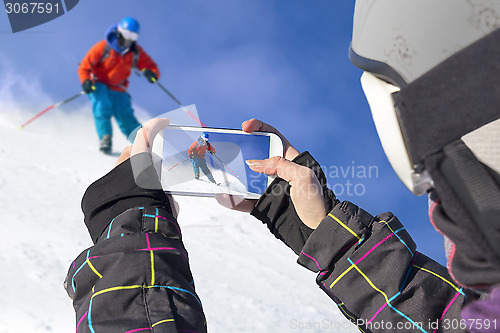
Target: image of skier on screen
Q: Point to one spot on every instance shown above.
(197, 152)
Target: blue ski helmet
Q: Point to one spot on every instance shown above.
(203, 139)
(129, 28)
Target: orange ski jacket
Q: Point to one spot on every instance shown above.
(113, 69)
(198, 150)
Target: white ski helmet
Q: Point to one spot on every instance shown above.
(402, 44)
(431, 77)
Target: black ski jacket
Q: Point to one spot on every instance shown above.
(136, 277)
(368, 265)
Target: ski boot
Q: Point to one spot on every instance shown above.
(105, 144)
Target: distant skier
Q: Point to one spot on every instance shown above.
(104, 73)
(197, 152)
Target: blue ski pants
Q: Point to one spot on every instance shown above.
(201, 163)
(107, 103)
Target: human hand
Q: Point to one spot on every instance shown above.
(150, 75)
(143, 144)
(144, 138)
(305, 191)
(88, 86)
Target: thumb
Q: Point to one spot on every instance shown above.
(144, 139)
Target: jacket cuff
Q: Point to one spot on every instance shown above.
(275, 207)
(133, 183)
(346, 225)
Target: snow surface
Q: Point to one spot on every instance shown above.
(186, 183)
(248, 280)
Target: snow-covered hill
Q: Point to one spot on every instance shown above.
(248, 281)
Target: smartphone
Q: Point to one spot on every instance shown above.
(206, 161)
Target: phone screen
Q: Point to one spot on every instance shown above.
(208, 161)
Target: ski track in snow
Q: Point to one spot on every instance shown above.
(247, 280)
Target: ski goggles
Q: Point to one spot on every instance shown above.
(128, 35)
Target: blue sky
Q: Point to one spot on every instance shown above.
(283, 61)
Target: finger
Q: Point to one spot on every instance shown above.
(256, 125)
(235, 202)
(144, 139)
(281, 167)
(124, 155)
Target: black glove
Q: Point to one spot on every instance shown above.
(191, 156)
(150, 75)
(88, 86)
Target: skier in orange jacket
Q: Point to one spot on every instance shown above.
(104, 73)
(197, 152)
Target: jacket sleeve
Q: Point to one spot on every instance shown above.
(211, 148)
(145, 61)
(136, 277)
(191, 149)
(90, 60)
(367, 265)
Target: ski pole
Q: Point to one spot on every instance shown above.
(175, 100)
(50, 108)
(180, 104)
(178, 164)
(226, 165)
